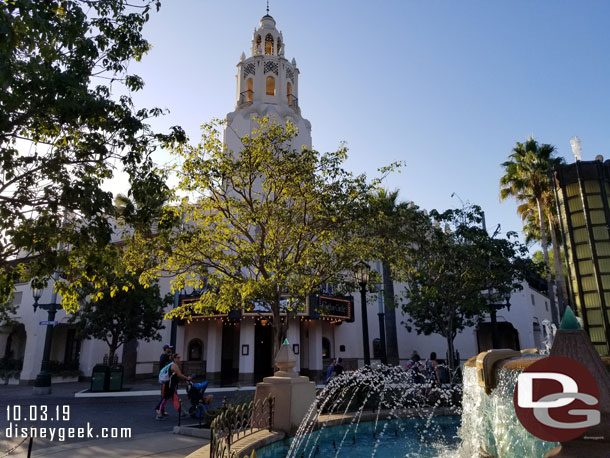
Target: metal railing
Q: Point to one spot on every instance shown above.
(238, 422)
(293, 102)
(245, 97)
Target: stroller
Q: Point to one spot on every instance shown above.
(199, 402)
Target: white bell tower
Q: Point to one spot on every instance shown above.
(267, 85)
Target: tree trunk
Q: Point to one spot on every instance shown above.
(559, 277)
(129, 359)
(111, 352)
(450, 351)
(389, 315)
(547, 263)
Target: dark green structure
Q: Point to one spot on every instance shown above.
(582, 192)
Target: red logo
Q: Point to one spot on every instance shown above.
(557, 399)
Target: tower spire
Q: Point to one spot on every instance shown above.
(267, 7)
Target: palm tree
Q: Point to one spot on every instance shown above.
(123, 205)
(526, 180)
(531, 229)
(386, 212)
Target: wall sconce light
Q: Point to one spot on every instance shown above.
(295, 349)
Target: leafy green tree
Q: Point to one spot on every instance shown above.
(526, 179)
(263, 227)
(63, 131)
(454, 271)
(130, 312)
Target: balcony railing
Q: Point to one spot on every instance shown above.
(293, 102)
(245, 97)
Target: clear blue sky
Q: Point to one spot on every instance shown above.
(448, 87)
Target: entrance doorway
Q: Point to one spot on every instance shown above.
(263, 347)
(508, 336)
(229, 364)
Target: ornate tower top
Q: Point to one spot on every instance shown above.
(267, 40)
(266, 76)
(268, 84)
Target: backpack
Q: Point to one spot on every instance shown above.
(164, 374)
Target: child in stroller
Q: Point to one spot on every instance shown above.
(199, 401)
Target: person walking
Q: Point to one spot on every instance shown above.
(166, 356)
(433, 369)
(164, 360)
(329, 371)
(413, 360)
(339, 367)
(169, 388)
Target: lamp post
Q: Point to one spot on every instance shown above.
(42, 384)
(362, 277)
(494, 323)
(178, 296)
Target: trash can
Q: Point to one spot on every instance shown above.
(99, 378)
(115, 382)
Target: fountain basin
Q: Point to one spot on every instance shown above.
(410, 437)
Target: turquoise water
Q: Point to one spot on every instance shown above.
(405, 437)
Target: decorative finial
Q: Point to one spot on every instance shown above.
(267, 7)
(569, 321)
(576, 148)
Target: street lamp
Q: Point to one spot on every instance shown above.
(492, 314)
(362, 273)
(178, 296)
(42, 384)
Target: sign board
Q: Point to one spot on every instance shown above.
(210, 314)
(49, 323)
(259, 308)
(339, 307)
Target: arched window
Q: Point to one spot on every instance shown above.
(249, 92)
(279, 46)
(326, 348)
(270, 85)
(289, 93)
(258, 44)
(195, 350)
(268, 44)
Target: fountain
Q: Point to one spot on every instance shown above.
(293, 394)
(359, 411)
(388, 411)
(490, 426)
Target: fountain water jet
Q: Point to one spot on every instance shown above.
(384, 394)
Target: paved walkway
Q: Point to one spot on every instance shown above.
(152, 444)
(133, 409)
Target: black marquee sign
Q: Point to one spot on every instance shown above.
(233, 314)
(327, 306)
